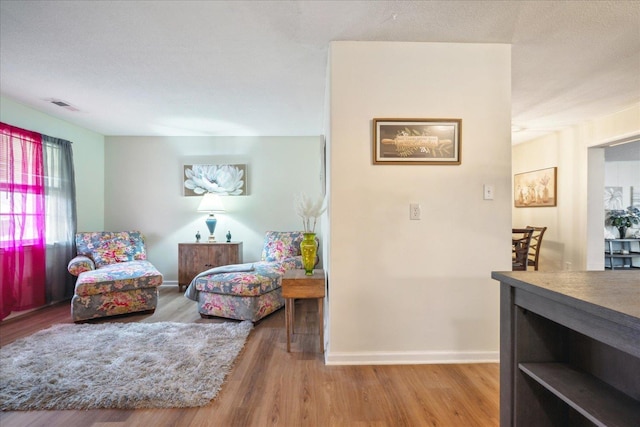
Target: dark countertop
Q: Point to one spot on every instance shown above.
(614, 295)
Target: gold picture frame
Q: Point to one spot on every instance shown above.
(536, 189)
(417, 141)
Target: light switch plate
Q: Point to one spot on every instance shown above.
(488, 192)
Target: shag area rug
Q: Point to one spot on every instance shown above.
(119, 365)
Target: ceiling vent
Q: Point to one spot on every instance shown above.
(62, 104)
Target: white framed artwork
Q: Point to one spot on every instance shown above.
(223, 180)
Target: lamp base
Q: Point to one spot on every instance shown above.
(211, 225)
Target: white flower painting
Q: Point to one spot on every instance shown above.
(613, 198)
(223, 180)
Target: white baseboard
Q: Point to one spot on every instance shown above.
(411, 358)
(169, 283)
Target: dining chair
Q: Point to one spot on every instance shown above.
(520, 242)
(534, 247)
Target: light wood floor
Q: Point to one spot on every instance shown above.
(270, 387)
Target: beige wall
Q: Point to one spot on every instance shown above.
(404, 291)
(574, 239)
(400, 291)
(88, 157)
(144, 189)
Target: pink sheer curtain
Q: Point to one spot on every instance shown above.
(22, 220)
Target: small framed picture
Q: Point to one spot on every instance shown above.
(535, 189)
(417, 141)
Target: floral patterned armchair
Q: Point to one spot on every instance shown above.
(114, 276)
(249, 291)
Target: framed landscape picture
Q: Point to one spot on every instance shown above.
(417, 141)
(535, 189)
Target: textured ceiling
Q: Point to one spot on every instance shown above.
(258, 67)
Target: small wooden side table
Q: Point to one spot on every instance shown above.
(297, 285)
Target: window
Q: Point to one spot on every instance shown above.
(21, 188)
(37, 219)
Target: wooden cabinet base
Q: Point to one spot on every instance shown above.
(194, 258)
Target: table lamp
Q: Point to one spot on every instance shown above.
(211, 203)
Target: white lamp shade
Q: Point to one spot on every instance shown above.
(211, 203)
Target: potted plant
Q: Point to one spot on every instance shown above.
(623, 219)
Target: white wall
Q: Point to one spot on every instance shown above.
(144, 190)
(625, 174)
(404, 291)
(574, 238)
(88, 157)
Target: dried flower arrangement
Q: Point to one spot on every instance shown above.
(309, 210)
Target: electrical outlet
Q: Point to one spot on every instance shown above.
(488, 192)
(414, 211)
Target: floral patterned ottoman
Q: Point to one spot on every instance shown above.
(249, 295)
(114, 276)
(248, 291)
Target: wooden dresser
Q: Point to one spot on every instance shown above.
(194, 258)
(569, 348)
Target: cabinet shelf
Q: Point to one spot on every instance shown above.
(600, 403)
(621, 255)
(615, 259)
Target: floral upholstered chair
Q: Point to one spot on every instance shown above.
(248, 291)
(114, 276)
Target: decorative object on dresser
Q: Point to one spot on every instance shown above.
(211, 203)
(114, 276)
(128, 365)
(194, 258)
